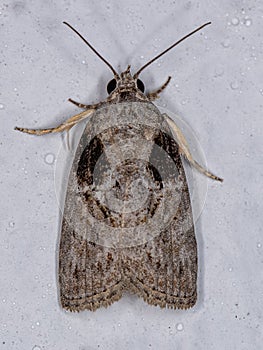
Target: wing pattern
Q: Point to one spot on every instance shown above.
(127, 222)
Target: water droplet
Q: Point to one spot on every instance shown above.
(248, 22)
(49, 158)
(219, 71)
(226, 43)
(36, 347)
(235, 21)
(15, 89)
(2, 106)
(234, 85)
(259, 245)
(11, 224)
(3, 300)
(36, 277)
(230, 269)
(179, 326)
(261, 91)
(234, 152)
(141, 57)
(188, 5)
(38, 323)
(83, 62)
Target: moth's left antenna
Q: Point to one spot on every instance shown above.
(92, 48)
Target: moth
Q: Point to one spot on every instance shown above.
(127, 223)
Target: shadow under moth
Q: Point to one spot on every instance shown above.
(127, 221)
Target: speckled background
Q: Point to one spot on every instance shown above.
(216, 88)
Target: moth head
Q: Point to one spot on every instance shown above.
(125, 82)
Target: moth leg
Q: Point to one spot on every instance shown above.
(67, 125)
(184, 150)
(155, 94)
(81, 105)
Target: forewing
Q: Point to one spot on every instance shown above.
(164, 270)
(89, 273)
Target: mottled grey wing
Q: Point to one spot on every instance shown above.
(89, 274)
(127, 221)
(163, 271)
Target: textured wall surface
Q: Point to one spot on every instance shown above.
(216, 88)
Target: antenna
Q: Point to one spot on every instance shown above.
(92, 48)
(169, 48)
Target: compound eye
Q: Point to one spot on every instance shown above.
(140, 85)
(111, 86)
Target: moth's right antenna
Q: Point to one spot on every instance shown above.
(169, 48)
(116, 75)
